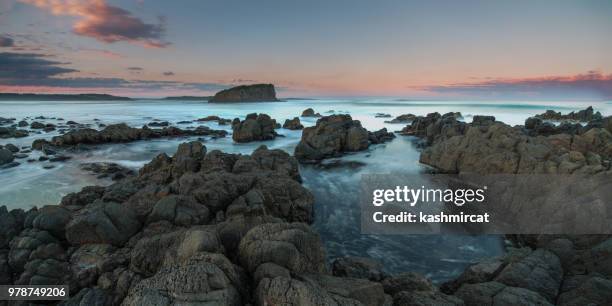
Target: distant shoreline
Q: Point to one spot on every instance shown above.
(61, 97)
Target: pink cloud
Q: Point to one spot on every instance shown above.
(104, 22)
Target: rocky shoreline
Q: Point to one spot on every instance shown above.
(230, 229)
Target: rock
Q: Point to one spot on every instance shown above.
(102, 222)
(11, 147)
(293, 124)
(380, 136)
(540, 272)
(364, 291)
(117, 133)
(53, 219)
(269, 270)
(358, 267)
(59, 158)
(88, 297)
(12, 132)
(426, 298)
(331, 137)
(406, 118)
(6, 156)
(254, 128)
(11, 224)
(494, 293)
(309, 112)
(382, 115)
(37, 125)
(585, 115)
(407, 281)
(22, 123)
(105, 169)
(288, 291)
(158, 123)
(480, 272)
(294, 246)
(179, 210)
(593, 291)
(482, 120)
(89, 261)
(246, 93)
(204, 279)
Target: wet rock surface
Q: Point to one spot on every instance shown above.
(255, 127)
(335, 135)
(585, 115)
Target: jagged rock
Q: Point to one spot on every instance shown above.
(203, 279)
(37, 125)
(294, 246)
(105, 169)
(480, 272)
(11, 147)
(53, 219)
(89, 261)
(270, 270)
(406, 118)
(288, 291)
(364, 291)
(309, 112)
(89, 297)
(358, 267)
(179, 210)
(27, 242)
(426, 298)
(158, 123)
(11, 224)
(584, 115)
(540, 272)
(498, 294)
(592, 291)
(380, 136)
(293, 124)
(407, 281)
(331, 137)
(102, 222)
(246, 93)
(254, 128)
(121, 132)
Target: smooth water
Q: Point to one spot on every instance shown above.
(335, 188)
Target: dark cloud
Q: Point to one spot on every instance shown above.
(106, 23)
(168, 73)
(134, 68)
(29, 69)
(6, 41)
(592, 85)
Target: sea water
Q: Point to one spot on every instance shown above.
(334, 186)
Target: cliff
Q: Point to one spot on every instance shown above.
(246, 93)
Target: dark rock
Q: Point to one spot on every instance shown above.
(22, 123)
(406, 118)
(482, 120)
(105, 169)
(59, 158)
(254, 128)
(102, 222)
(584, 115)
(246, 93)
(493, 293)
(11, 147)
(382, 115)
(6, 156)
(12, 132)
(294, 246)
(158, 123)
(380, 136)
(426, 298)
(37, 125)
(358, 267)
(407, 281)
(309, 112)
(293, 124)
(331, 137)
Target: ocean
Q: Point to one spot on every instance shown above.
(335, 187)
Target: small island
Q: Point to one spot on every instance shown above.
(60, 97)
(246, 93)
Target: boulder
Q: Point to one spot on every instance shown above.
(246, 93)
(293, 124)
(380, 136)
(309, 112)
(294, 246)
(358, 267)
(102, 222)
(405, 118)
(407, 281)
(584, 115)
(331, 137)
(494, 293)
(254, 128)
(6, 156)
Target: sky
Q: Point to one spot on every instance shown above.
(550, 50)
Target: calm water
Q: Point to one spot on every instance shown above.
(335, 189)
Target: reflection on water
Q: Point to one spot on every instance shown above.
(335, 186)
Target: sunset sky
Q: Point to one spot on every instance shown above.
(411, 49)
